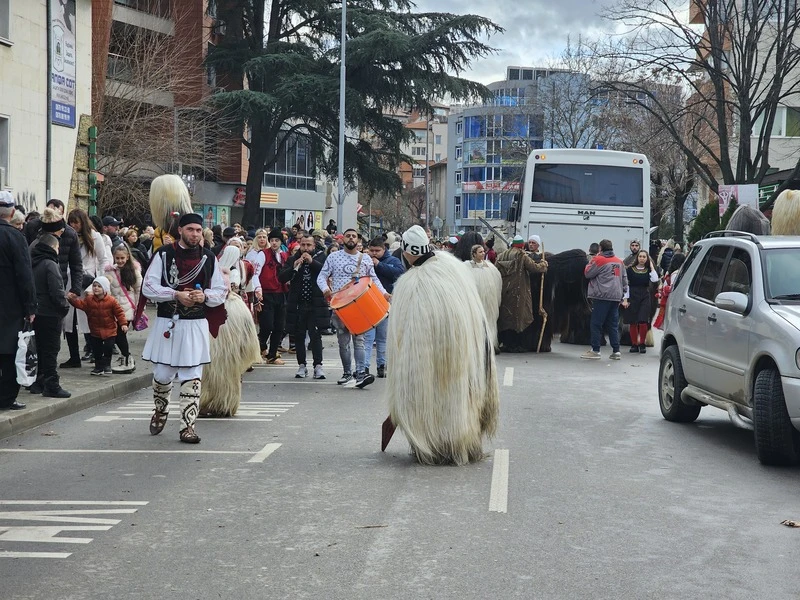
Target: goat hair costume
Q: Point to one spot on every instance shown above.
(748, 219)
(786, 213)
(442, 384)
(489, 283)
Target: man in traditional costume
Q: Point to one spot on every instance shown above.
(516, 307)
(183, 279)
(442, 387)
(169, 199)
(541, 292)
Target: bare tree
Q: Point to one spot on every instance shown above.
(152, 118)
(737, 62)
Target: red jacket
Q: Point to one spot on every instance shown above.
(103, 314)
(269, 273)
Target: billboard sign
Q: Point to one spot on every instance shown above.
(63, 64)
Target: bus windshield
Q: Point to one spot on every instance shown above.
(595, 185)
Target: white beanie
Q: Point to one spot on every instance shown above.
(103, 282)
(415, 241)
(535, 238)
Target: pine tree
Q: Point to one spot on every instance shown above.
(285, 62)
(707, 220)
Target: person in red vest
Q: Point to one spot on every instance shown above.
(272, 318)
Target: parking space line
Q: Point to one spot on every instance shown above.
(10, 554)
(261, 455)
(116, 451)
(498, 497)
(110, 418)
(508, 377)
(73, 502)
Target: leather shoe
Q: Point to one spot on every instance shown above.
(70, 364)
(16, 406)
(56, 393)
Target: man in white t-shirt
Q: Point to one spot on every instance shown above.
(341, 268)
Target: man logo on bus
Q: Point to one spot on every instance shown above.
(586, 214)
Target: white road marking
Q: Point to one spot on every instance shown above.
(79, 451)
(9, 554)
(109, 418)
(498, 498)
(72, 503)
(82, 520)
(262, 454)
(508, 377)
(295, 381)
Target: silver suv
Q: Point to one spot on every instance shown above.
(732, 339)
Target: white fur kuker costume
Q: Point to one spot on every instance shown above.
(442, 385)
(489, 283)
(786, 213)
(233, 351)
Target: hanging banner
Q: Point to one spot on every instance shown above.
(62, 69)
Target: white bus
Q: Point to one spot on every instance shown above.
(573, 197)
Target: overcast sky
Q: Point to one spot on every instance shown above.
(535, 30)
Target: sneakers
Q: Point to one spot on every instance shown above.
(642, 349)
(318, 372)
(364, 379)
(302, 372)
(97, 371)
(615, 355)
(347, 380)
(634, 349)
(275, 361)
(591, 355)
(71, 364)
(36, 388)
(381, 371)
(125, 365)
(107, 371)
(87, 356)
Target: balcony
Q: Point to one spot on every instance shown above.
(158, 8)
(120, 68)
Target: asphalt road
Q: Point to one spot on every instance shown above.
(293, 499)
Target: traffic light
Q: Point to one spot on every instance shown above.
(92, 170)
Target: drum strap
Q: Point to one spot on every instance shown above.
(357, 274)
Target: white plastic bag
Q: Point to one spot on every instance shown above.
(27, 362)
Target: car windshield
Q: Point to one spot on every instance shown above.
(783, 274)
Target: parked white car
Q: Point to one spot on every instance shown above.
(732, 339)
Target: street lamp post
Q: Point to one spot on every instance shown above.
(342, 73)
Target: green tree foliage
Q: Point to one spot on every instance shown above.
(284, 58)
(708, 219)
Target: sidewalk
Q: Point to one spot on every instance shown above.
(87, 391)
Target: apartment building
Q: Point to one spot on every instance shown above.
(214, 164)
(39, 132)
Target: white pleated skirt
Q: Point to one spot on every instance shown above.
(187, 346)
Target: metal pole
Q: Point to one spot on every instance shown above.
(427, 171)
(342, 73)
(48, 178)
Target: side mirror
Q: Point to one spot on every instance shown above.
(732, 301)
(511, 217)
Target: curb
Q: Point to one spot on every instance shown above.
(19, 421)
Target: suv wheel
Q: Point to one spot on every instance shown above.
(671, 383)
(777, 441)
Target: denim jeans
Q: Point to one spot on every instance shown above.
(376, 334)
(344, 336)
(605, 315)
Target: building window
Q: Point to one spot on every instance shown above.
(457, 203)
(476, 127)
(437, 157)
(437, 139)
(418, 151)
(786, 124)
(513, 74)
(494, 125)
(527, 74)
(458, 152)
(419, 172)
(4, 153)
(458, 176)
(459, 127)
(5, 19)
(294, 167)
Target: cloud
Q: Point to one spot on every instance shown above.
(536, 31)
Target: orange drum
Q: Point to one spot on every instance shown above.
(360, 305)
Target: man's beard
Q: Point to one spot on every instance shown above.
(350, 245)
(188, 243)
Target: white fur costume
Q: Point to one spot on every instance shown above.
(442, 384)
(490, 288)
(233, 351)
(786, 213)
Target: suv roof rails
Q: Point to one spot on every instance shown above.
(727, 233)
